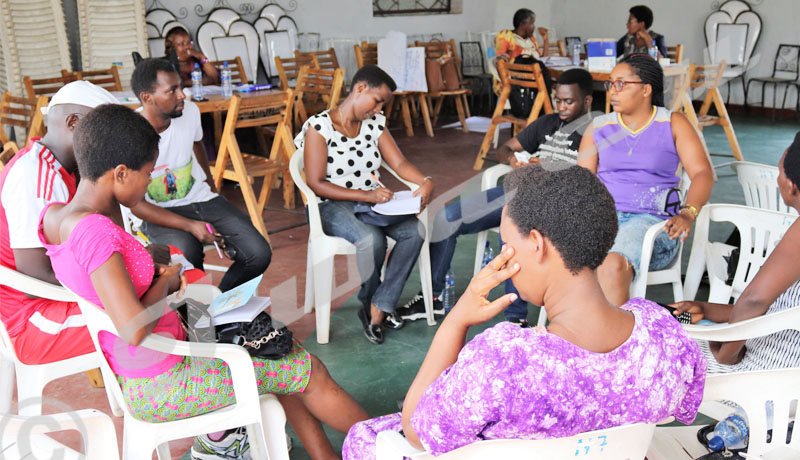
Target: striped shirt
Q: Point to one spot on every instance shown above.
(775, 351)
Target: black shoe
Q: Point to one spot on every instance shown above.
(519, 322)
(393, 321)
(415, 308)
(373, 332)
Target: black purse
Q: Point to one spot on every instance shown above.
(262, 337)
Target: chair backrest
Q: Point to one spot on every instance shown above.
(325, 59)
(314, 83)
(238, 72)
(760, 231)
(9, 150)
(289, 68)
(22, 112)
(46, 86)
(472, 61)
(706, 76)
(622, 442)
(787, 62)
(528, 76)
(752, 391)
(760, 185)
(104, 78)
(366, 54)
(675, 53)
(732, 33)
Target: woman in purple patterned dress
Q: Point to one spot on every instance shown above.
(595, 366)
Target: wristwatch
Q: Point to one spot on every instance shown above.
(694, 211)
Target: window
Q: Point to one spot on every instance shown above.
(410, 7)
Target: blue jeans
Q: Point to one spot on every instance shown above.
(338, 219)
(472, 214)
(252, 252)
(628, 243)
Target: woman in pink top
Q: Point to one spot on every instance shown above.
(92, 255)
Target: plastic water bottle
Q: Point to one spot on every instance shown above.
(731, 433)
(488, 254)
(197, 83)
(576, 52)
(225, 78)
(653, 51)
(449, 293)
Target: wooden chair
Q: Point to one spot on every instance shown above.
(289, 69)
(234, 165)
(104, 78)
(46, 86)
(529, 76)
(325, 59)
(437, 49)
(9, 150)
(709, 77)
(675, 53)
(366, 54)
(316, 90)
(22, 112)
(238, 74)
(557, 48)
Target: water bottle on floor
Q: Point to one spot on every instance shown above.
(488, 254)
(225, 78)
(653, 51)
(449, 293)
(731, 433)
(197, 83)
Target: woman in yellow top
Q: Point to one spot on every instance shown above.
(510, 44)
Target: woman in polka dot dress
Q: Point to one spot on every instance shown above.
(344, 148)
(94, 257)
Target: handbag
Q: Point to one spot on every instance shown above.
(262, 337)
(522, 98)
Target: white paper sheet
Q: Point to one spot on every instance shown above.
(405, 65)
(245, 313)
(401, 203)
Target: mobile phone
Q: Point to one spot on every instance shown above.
(683, 318)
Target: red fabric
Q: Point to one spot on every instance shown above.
(34, 346)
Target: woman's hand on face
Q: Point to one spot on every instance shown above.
(693, 307)
(175, 280)
(379, 195)
(426, 192)
(678, 226)
(474, 306)
(543, 32)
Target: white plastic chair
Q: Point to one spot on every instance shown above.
(489, 179)
(322, 249)
(23, 437)
(760, 232)
(751, 391)
(263, 416)
(760, 185)
(32, 378)
(627, 441)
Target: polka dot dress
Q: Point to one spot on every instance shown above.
(351, 161)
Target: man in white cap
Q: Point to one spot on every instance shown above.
(43, 330)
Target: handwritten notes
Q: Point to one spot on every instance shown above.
(402, 203)
(405, 65)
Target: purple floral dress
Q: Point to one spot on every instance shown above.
(515, 383)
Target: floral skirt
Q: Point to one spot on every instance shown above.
(199, 385)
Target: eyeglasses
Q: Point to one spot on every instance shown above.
(618, 85)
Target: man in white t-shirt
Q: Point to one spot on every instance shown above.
(43, 330)
(181, 200)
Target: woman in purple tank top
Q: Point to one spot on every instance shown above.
(637, 152)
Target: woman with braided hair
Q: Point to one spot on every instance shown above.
(637, 152)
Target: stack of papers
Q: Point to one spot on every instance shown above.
(401, 203)
(237, 305)
(244, 313)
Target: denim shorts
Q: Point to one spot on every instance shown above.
(628, 244)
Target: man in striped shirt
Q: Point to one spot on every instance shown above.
(43, 330)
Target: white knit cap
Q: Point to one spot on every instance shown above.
(81, 93)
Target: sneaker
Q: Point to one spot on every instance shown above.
(393, 321)
(415, 308)
(233, 446)
(373, 332)
(519, 322)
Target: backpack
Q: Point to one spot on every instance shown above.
(521, 97)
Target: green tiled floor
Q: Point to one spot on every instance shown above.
(378, 376)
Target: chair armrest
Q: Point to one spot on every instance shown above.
(492, 175)
(33, 286)
(747, 329)
(412, 186)
(391, 445)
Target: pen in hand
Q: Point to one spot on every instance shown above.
(375, 178)
(211, 230)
